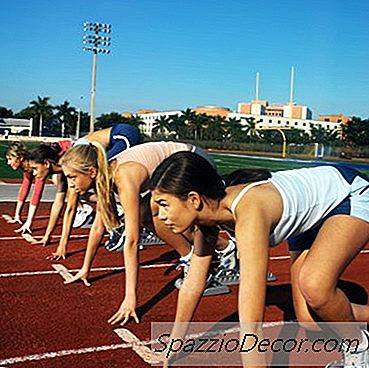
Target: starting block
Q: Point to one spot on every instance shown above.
(138, 346)
(7, 217)
(28, 237)
(213, 287)
(62, 271)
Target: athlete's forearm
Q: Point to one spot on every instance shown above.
(31, 213)
(131, 264)
(68, 220)
(94, 239)
(55, 213)
(18, 209)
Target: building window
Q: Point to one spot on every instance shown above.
(296, 123)
(279, 121)
(339, 121)
(287, 123)
(303, 124)
(326, 119)
(270, 121)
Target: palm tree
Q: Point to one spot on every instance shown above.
(217, 128)
(189, 117)
(135, 120)
(356, 132)
(66, 114)
(43, 109)
(234, 129)
(321, 135)
(177, 125)
(107, 120)
(250, 129)
(162, 125)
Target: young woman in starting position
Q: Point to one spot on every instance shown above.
(323, 212)
(46, 162)
(126, 177)
(17, 158)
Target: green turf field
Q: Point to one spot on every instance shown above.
(225, 164)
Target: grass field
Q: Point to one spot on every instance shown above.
(228, 164)
(225, 164)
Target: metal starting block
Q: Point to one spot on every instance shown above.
(228, 277)
(213, 287)
(7, 217)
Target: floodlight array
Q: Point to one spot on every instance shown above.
(99, 44)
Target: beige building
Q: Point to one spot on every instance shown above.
(339, 118)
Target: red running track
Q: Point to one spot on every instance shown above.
(45, 323)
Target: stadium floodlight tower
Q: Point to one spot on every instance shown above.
(97, 44)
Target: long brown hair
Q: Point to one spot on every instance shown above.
(80, 158)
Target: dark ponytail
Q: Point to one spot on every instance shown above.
(44, 152)
(243, 176)
(183, 172)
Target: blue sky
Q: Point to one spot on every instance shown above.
(173, 54)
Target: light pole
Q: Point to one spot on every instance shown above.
(99, 44)
(78, 126)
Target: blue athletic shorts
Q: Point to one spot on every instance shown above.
(356, 204)
(122, 136)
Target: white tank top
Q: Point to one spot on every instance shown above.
(308, 195)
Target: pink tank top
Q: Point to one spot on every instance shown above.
(151, 154)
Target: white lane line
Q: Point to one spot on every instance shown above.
(62, 353)
(93, 349)
(98, 269)
(7, 217)
(152, 357)
(40, 237)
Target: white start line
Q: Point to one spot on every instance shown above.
(131, 341)
(97, 269)
(75, 236)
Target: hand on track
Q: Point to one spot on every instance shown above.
(26, 228)
(60, 253)
(125, 311)
(80, 275)
(44, 241)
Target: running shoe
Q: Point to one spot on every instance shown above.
(228, 272)
(116, 239)
(149, 238)
(353, 358)
(83, 215)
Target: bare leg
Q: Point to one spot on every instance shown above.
(301, 308)
(338, 242)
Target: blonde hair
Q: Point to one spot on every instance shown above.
(80, 158)
(19, 150)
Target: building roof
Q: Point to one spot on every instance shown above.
(11, 122)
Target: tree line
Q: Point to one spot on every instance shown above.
(61, 120)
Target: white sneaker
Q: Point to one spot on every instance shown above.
(228, 270)
(353, 359)
(82, 215)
